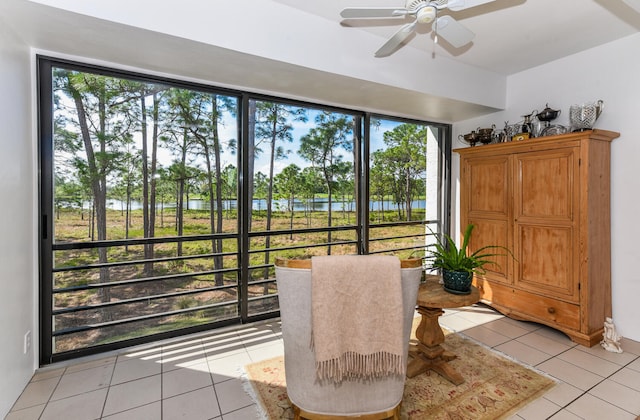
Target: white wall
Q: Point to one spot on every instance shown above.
(322, 47)
(609, 72)
(18, 307)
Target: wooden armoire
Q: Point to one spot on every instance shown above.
(548, 201)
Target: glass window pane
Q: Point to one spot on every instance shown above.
(404, 185)
(303, 178)
(136, 160)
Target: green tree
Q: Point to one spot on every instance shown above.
(288, 185)
(186, 111)
(70, 190)
(322, 146)
(99, 103)
(165, 189)
(155, 95)
(68, 194)
(273, 125)
(345, 186)
(127, 180)
(406, 157)
(381, 180)
(202, 114)
(260, 188)
(310, 179)
(180, 173)
(229, 180)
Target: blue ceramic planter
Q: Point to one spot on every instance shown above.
(457, 282)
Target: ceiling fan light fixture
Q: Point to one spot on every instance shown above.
(455, 5)
(426, 14)
(452, 31)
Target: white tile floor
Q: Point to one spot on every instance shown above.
(199, 377)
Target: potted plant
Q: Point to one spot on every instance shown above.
(457, 264)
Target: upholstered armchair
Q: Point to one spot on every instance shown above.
(312, 398)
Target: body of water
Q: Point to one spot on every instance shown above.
(278, 205)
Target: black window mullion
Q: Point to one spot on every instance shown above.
(364, 184)
(244, 208)
(45, 127)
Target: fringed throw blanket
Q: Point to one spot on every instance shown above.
(357, 316)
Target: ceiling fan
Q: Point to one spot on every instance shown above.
(425, 12)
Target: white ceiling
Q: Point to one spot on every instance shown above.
(511, 35)
(302, 49)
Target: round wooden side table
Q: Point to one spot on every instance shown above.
(427, 353)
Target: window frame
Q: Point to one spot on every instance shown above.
(45, 65)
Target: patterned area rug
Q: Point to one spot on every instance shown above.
(494, 388)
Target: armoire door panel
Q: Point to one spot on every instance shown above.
(489, 233)
(546, 260)
(488, 180)
(545, 187)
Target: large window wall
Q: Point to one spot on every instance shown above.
(164, 204)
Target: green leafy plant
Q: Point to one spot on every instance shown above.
(447, 256)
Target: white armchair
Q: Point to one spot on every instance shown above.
(378, 398)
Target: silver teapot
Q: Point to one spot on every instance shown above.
(583, 117)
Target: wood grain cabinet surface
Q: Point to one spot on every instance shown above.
(548, 201)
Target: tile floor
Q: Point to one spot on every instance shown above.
(198, 377)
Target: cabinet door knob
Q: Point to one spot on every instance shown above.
(551, 310)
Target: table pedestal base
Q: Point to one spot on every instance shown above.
(427, 353)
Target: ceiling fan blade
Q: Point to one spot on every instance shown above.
(397, 39)
(456, 5)
(452, 31)
(634, 4)
(372, 12)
